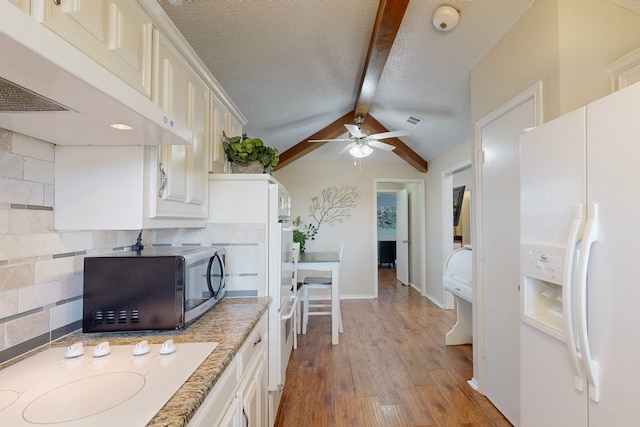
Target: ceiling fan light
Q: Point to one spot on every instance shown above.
(360, 151)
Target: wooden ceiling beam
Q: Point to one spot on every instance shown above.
(402, 150)
(385, 29)
(303, 147)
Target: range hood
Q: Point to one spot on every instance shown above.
(52, 91)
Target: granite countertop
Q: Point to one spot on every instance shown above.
(228, 323)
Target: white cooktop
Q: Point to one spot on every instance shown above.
(118, 388)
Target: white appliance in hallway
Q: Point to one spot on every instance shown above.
(580, 288)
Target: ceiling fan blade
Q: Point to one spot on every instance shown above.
(392, 134)
(355, 131)
(329, 140)
(347, 148)
(381, 145)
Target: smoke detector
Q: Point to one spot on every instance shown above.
(445, 18)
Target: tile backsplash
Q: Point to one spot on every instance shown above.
(40, 268)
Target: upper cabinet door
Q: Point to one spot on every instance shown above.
(115, 33)
(24, 5)
(182, 169)
(173, 84)
(219, 117)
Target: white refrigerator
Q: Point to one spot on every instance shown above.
(580, 281)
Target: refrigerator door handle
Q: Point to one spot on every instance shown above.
(567, 296)
(590, 236)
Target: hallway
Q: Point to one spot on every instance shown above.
(391, 368)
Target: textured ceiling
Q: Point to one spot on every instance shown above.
(294, 66)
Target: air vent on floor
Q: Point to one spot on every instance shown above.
(15, 98)
(415, 121)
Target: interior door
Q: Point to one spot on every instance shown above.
(499, 262)
(402, 236)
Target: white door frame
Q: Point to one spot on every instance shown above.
(447, 219)
(532, 93)
(420, 222)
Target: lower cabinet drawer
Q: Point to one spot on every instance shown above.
(254, 344)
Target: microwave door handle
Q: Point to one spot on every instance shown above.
(213, 293)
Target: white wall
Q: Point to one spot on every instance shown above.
(566, 44)
(305, 180)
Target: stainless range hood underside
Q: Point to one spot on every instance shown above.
(14, 98)
(52, 91)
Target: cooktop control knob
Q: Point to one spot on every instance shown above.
(141, 348)
(74, 350)
(102, 349)
(167, 347)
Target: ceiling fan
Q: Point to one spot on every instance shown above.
(360, 141)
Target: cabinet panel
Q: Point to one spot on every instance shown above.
(235, 128)
(182, 170)
(74, 20)
(118, 190)
(250, 403)
(24, 5)
(219, 117)
(171, 88)
(130, 41)
(233, 415)
(253, 386)
(240, 396)
(115, 33)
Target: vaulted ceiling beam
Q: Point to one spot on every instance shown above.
(387, 24)
(303, 147)
(385, 29)
(402, 150)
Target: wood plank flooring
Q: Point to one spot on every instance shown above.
(391, 368)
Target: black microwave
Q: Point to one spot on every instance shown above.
(158, 288)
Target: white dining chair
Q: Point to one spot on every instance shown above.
(316, 297)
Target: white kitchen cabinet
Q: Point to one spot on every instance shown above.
(232, 416)
(173, 80)
(161, 187)
(235, 128)
(182, 170)
(115, 188)
(239, 397)
(24, 5)
(115, 33)
(254, 397)
(221, 120)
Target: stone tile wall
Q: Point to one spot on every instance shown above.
(40, 269)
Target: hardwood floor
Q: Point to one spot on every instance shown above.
(391, 368)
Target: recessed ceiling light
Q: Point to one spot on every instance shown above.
(121, 126)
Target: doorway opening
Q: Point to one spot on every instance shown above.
(399, 230)
(455, 235)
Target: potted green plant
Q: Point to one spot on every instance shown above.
(303, 233)
(249, 155)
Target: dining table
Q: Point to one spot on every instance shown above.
(326, 261)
